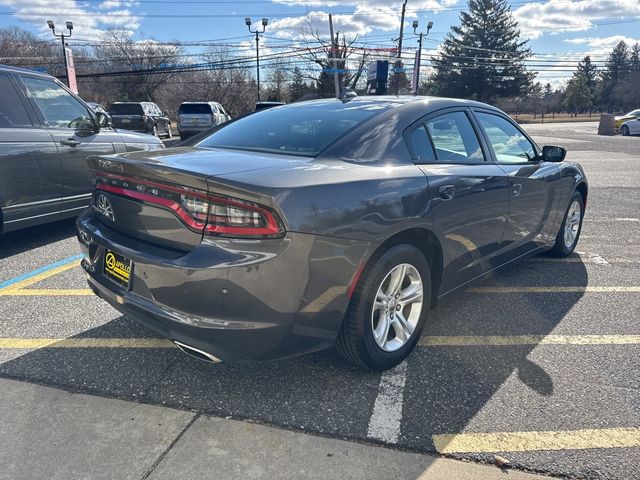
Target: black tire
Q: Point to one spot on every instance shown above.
(355, 341)
(624, 131)
(560, 248)
(169, 132)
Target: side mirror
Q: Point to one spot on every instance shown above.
(553, 154)
(103, 120)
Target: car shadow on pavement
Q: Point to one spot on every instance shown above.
(20, 241)
(446, 386)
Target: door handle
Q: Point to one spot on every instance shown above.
(70, 142)
(446, 192)
(516, 189)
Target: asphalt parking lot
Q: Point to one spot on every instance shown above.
(538, 363)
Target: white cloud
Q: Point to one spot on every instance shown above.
(89, 20)
(368, 15)
(556, 16)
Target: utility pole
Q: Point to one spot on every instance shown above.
(334, 51)
(265, 22)
(416, 75)
(399, 62)
(62, 36)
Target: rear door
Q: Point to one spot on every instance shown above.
(534, 185)
(469, 194)
(30, 170)
(72, 127)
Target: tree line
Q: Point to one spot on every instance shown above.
(483, 58)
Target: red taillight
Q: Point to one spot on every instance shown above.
(217, 215)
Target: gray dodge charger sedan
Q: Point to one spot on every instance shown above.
(331, 222)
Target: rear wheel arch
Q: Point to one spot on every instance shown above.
(584, 190)
(424, 240)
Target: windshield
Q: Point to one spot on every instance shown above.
(195, 108)
(126, 109)
(296, 130)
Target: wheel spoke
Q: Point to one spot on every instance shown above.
(402, 328)
(382, 331)
(397, 277)
(411, 294)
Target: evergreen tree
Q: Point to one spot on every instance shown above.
(577, 97)
(589, 73)
(616, 71)
(483, 58)
(299, 88)
(634, 59)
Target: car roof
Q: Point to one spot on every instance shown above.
(8, 68)
(197, 103)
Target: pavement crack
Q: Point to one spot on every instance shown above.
(171, 445)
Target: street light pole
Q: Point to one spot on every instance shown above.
(419, 56)
(265, 22)
(62, 36)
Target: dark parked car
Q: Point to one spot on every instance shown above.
(324, 222)
(198, 117)
(145, 117)
(46, 135)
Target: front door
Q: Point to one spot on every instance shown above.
(534, 185)
(30, 171)
(73, 129)
(469, 195)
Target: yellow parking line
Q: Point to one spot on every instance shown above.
(541, 440)
(554, 289)
(42, 276)
(36, 343)
(33, 292)
(504, 340)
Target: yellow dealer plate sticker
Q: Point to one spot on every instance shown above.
(117, 267)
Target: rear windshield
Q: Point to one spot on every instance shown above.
(297, 130)
(126, 109)
(195, 108)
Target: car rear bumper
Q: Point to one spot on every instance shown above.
(192, 130)
(235, 300)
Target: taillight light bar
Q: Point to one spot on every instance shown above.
(213, 214)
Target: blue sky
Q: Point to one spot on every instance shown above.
(559, 30)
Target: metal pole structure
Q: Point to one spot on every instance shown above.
(334, 50)
(62, 36)
(417, 76)
(404, 8)
(265, 22)
(258, 63)
(416, 87)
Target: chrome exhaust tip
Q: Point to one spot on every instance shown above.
(196, 353)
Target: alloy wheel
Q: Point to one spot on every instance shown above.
(397, 307)
(572, 224)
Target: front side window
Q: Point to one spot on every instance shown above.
(508, 143)
(12, 112)
(454, 139)
(59, 107)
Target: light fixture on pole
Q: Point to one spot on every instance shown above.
(62, 36)
(416, 67)
(265, 22)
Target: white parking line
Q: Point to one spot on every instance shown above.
(386, 418)
(594, 258)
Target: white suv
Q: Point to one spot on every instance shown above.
(196, 117)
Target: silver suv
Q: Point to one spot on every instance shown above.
(196, 117)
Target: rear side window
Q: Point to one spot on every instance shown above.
(12, 112)
(59, 107)
(126, 109)
(195, 108)
(421, 146)
(454, 139)
(508, 143)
